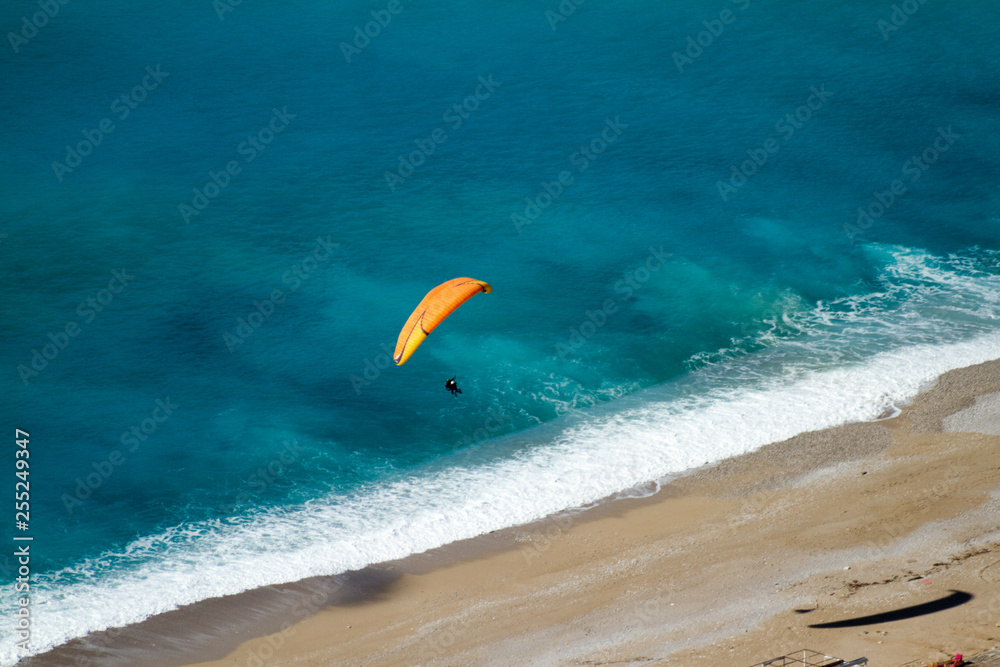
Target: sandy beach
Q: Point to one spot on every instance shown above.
(729, 565)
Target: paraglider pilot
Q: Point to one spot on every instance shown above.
(452, 386)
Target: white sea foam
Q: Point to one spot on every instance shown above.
(794, 383)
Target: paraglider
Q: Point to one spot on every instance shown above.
(439, 303)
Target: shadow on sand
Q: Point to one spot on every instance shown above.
(954, 600)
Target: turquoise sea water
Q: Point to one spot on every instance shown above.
(707, 227)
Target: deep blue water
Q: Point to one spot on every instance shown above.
(650, 309)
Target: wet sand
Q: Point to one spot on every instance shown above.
(729, 565)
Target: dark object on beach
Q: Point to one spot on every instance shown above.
(955, 599)
(805, 611)
(452, 386)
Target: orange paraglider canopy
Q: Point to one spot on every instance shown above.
(439, 303)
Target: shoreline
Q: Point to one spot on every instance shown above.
(718, 559)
